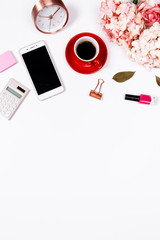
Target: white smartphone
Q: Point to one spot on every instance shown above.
(45, 78)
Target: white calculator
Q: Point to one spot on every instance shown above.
(11, 97)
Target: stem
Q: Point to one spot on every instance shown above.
(135, 1)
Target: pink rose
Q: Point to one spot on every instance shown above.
(150, 14)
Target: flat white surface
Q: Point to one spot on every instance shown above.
(73, 167)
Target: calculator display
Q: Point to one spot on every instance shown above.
(13, 92)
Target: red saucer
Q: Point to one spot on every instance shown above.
(84, 67)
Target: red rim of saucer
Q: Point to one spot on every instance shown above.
(84, 67)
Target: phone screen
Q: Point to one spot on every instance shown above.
(41, 70)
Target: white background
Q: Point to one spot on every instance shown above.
(73, 167)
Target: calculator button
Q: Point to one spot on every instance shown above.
(9, 101)
(3, 112)
(11, 109)
(16, 102)
(7, 114)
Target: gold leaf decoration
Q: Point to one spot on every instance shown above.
(158, 80)
(123, 76)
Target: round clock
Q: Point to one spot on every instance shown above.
(49, 15)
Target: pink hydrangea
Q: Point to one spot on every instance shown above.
(121, 21)
(135, 27)
(146, 50)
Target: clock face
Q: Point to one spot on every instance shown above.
(51, 18)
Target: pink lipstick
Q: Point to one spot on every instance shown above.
(145, 99)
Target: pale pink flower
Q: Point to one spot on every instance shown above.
(135, 27)
(151, 2)
(146, 50)
(121, 21)
(150, 11)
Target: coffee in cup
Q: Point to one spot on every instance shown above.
(87, 49)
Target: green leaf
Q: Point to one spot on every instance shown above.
(158, 80)
(135, 1)
(123, 76)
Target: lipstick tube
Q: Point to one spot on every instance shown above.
(144, 99)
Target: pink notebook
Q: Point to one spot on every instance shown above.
(7, 60)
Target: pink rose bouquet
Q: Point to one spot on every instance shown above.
(135, 27)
